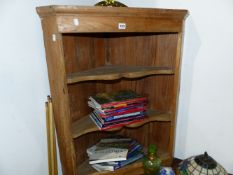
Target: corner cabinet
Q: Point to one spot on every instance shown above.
(97, 49)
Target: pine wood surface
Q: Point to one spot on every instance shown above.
(59, 94)
(81, 40)
(116, 72)
(101, 20)
(86, 125)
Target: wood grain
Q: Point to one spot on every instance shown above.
(59, 95)
(86, 125)
(117, 72)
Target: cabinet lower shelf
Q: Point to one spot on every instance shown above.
(86, 125)
(135, 168)
(116, 72)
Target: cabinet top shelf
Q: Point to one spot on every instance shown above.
(116, 72)
(81, 19)
(120, 11)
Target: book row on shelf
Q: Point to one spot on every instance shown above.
(115, 152)
(117, 109)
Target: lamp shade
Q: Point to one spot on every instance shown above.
(201, 165)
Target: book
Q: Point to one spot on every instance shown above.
(117, 142)
(111, 149)
(123, 117)
(123, 109)
(116, 124)
(112, 166)
(115, 100)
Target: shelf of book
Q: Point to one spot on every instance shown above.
(86, 125)
(116, 72)
(135, 168)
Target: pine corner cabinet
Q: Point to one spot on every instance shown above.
(97, 49)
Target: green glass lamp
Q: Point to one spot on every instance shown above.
(111, 3)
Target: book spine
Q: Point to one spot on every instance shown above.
(128, 119)
(106, 160)
(121, 116)
(123, 103)
(116, 121)
(97, 123)
(128, 161)
(116, 113)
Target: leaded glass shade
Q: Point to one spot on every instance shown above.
(201, 165)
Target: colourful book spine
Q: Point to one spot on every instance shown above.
(117, 121)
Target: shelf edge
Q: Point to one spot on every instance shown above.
(78, 127)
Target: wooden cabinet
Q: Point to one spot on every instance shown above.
(97, 49)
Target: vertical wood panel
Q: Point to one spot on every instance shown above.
(59, 94)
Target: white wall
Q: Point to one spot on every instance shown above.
(24, 87)
(205, 113)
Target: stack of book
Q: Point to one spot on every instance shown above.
(117, 109)
(110, 154)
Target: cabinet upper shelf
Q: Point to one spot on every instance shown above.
(86, 125)
(116, 72)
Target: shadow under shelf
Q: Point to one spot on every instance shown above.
(86, 125)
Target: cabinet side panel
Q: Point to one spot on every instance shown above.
(176, 90)
(59, 93)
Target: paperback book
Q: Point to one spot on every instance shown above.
(116, 99)
(113, 153)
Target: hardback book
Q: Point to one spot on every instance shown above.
(116, 99)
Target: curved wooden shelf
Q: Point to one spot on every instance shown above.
(116, 72)
(85, 125)
(135, 168)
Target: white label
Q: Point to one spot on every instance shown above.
(122, 26)
(54, 38)
(76, 21)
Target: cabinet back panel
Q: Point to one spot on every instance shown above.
(85, 51)
(159, 96)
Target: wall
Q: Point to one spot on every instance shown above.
(206, 98)
(24, 88)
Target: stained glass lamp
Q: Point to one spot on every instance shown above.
(111, 3)
(201, 165)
